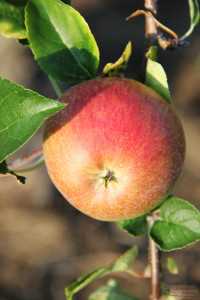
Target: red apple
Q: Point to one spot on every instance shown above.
(116, 150)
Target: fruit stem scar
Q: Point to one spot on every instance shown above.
(109, 177)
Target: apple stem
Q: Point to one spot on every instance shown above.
(154, 264)
(109, 176)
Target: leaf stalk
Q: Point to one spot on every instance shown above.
(27, 163)
(56, 86)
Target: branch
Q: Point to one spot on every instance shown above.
(151, 27)
(154, 265)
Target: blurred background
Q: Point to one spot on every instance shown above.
(44, 242)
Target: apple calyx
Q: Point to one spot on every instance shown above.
(109, 177)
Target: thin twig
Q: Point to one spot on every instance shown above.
(154, 265)
(160, 25)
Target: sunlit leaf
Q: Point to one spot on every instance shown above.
(194, 17)
(111, 291)
(172, 266)
(119, 265)
(12, 19)
(117, 69)
(61, 41)
(22, 112)
(156, 77)
(178, 226)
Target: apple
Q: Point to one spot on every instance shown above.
(116, 150)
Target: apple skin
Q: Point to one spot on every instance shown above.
(117, 128)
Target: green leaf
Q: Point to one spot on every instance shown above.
(172, 266)
(12, 19)
(5, 171)
(194, 17)
(119, 265)
(112, 291)
(22, 112)
(61, 41)
(117, 69)
(156, 77)
(179, 225)
(134, 227)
